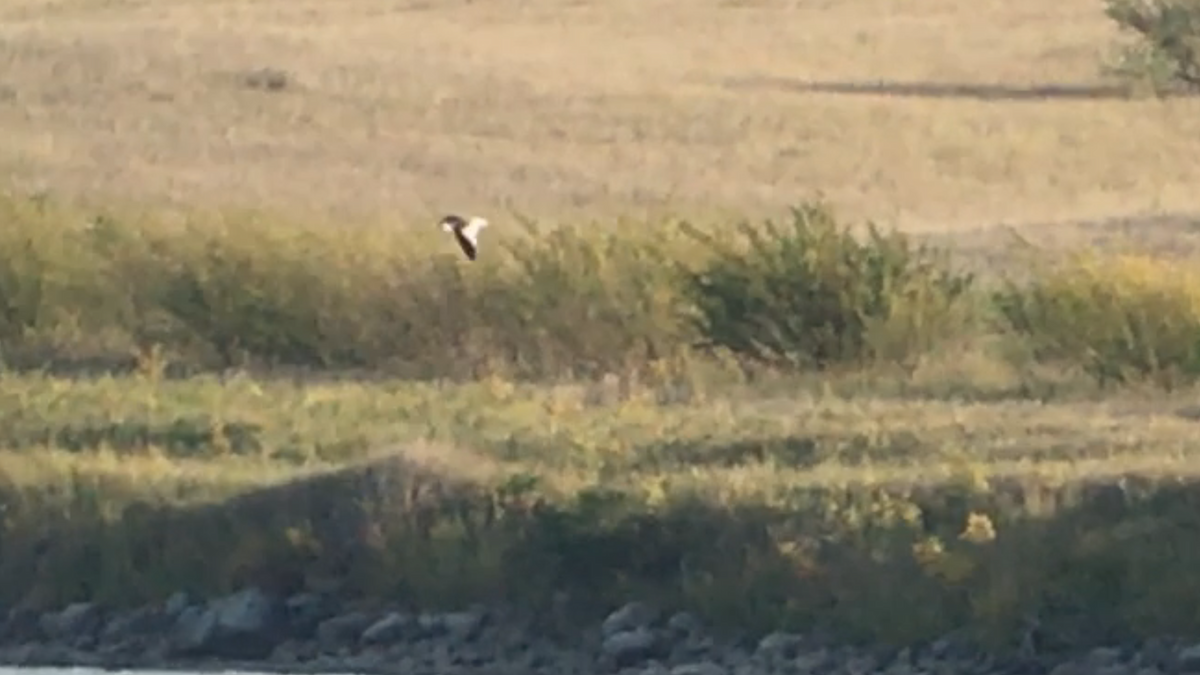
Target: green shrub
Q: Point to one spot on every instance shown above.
(810, 294)
(1166, 53)
(1121, 318)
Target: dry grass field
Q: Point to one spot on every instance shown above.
(927, 114)
(973, 458)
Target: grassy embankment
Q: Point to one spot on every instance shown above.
(810, 430)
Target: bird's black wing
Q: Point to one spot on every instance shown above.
(465, 243)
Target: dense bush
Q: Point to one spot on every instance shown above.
(571, 302)
(1166, 52)
(1120, 318)
(563, 303)
(810, 294)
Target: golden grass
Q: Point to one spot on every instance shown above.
(973, 485)
(582, 429)
(224, 290)
(1121, 317)
(688, 307)
(401, 111)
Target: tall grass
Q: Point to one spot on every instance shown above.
(543, 303)
(1121, 318)
(656, 301)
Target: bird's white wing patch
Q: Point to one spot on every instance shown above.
(472, 229)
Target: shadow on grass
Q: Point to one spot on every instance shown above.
(184, 436)
(862, 450)
(936, 90)
(892, 564)
(792, 451)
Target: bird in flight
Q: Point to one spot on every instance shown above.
(466, 232)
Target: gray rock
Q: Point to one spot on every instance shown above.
(906, 655)
(1070, 668)
(457, 626)
(430, 623)
(813, 661)
(734, 658)
(748, 668)
(248, 611)
(342, 630)
(306, 611)
(1103, 656)
(537, 654)
(21, 625)
(1110, 669)
(73, 622)
(20, 655)
(630, 617)
(405, 663)
(629, 647)
(291, 652)
(694, 648)
(860, 665)
(952, 646)
(45, 655)
(778, 646)
(134, 623)
(303, 635)
(442, 657)
(702, 668)
(393, 627)
(901, 668)
(194, 628)
(175, 604)
(1188, 659)
(465, 625)
(368, 661)
(1156, 653)
(244, 625)
(684, 623)
(126, 651)
(154, 653)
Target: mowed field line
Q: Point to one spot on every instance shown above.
(804, 438)
(931, 114)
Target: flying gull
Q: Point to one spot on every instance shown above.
(465, 231)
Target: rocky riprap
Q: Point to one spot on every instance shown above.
(311, 633)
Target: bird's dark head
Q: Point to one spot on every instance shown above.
(452, 222)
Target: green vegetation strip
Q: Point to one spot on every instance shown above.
(884, 519)
(668, 302)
